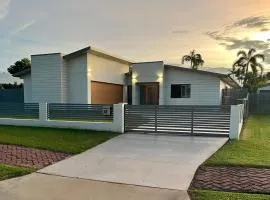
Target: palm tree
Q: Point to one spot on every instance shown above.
(248, 60)
(194, 58)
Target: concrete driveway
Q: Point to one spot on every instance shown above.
(130, 166)
(146, 160)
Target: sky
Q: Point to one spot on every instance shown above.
(141, 30)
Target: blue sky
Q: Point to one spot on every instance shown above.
(140, 30)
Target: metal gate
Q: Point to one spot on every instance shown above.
(187, 120)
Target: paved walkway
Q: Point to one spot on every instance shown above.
(168, 162)
(28, 157)
(47, 187)
(237, 179)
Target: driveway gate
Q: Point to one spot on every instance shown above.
(187, 120)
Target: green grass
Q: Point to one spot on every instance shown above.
(213, 195)
(7, 172)
(252, 150)
(63, 140)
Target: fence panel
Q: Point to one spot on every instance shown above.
(230, 96)
(189, 120)
(80, 112)
(259, 103)
(19, 110)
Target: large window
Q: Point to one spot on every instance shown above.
(180, 91)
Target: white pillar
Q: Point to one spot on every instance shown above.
(43, 111)
(236, 121)
(118, 117)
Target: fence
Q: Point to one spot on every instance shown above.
(191, 120)
(11, 95)
(94, 117)
(19, 110)
(188, 120)
(231, 96)
(259, 103)
(80, 112)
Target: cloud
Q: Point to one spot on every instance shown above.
(251, 22)
(265, 29)
(180, 31)
(4, 8)
(22, 28)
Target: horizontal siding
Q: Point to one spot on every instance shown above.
(205, 89)
(46, 78)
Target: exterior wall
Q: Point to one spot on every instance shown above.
(106, 93)
(106, 70)
(27, 88)
(223, 86)
(77, 81)
(205, 89)
(147, 73)
(46, 73)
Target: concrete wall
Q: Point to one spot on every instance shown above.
(148, 72)
(205, 89)
(46, 75)
(77, 80)
(236, 121)
(27, 88)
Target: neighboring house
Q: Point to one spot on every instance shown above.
(265, 89)
(93, 77)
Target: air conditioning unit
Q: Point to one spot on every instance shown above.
(106, 110)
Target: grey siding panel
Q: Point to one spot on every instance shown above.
(205, 89)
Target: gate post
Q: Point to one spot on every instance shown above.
(192, 120)
(156, 108)
(119, 117)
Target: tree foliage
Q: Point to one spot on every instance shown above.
(194, 59)
(11, 86)
(248, 69)
(19, 66)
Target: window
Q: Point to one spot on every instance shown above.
(180, 91)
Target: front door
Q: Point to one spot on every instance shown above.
(149, 94)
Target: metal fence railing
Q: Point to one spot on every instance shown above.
(19, 110)
(189, 120)
(80, 112)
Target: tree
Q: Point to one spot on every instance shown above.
(19, 66)
(246, 69)
(194, 58)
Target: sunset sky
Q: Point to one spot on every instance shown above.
(141, 30)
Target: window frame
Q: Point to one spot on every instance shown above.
(183, 93)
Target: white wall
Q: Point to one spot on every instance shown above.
(77, 81)
(107, 70)
(46, 73)
(205, 89)
(27, 88)
(147, 72)
(236, 121)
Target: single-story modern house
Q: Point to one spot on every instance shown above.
(90, 76)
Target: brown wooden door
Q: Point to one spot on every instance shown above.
(150, 94)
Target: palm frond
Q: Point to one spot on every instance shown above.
(259, 56)
(186, 58)
(251, 52)
(242, 53)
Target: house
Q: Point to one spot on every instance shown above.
(90, 76)
(265, 88)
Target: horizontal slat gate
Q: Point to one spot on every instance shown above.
(188, 120)
(19, 110)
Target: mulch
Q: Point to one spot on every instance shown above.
(29, 157)
(233, 179)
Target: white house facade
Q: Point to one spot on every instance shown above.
(90, 76)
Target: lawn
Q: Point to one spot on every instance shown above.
(212, 195)
(62, 140)
(7, 172)
(252, 150)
